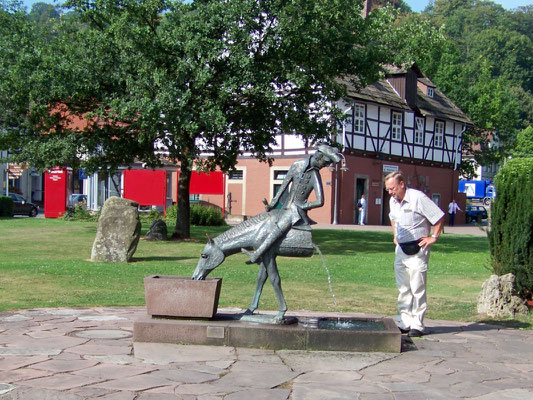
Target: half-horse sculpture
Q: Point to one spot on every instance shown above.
(284, 231)
(249, 235)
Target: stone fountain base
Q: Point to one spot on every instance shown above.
(182, 310)
(309, 332)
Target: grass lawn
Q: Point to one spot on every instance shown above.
(45, 263)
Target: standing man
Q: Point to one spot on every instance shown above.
(412, 214)
(453, 208)
(362, 209)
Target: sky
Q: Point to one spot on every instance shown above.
(419, 5)
(416, 5)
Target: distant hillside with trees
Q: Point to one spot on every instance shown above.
(485, 65)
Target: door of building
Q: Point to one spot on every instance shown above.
(385, 207)
(360, 185)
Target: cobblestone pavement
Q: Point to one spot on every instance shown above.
(72, 354)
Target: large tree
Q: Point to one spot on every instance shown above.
(196, 83)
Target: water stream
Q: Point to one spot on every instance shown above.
(329, 277)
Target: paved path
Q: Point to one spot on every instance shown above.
(468, 229)
(73, 354)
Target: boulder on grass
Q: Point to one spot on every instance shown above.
(158, 231)
(497, 299)
(119, 230)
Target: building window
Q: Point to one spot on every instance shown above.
(359, 118)
(431, 92)
(419, 130)
(439, 134)
(436, 198)
(236, 175)
(278, 176)
(396, 128)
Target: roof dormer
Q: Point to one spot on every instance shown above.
(426, 87)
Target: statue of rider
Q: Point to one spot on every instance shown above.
(303, 177)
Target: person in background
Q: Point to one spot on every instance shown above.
(453, 208)
(361, 204)
(412, 214)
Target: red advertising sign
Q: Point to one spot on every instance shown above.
(145, 186)
(207, 183)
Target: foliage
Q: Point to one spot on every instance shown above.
(524, 143)
(42, 13)
(80, 212)
(147, 218)
(206, 216)
(6, 206)
(200, 215)
(511, 234)
(171, 212)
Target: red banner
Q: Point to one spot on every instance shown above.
(145, 186)
(207, 183)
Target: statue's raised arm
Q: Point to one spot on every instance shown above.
(302, 178)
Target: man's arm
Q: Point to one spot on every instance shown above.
(437, 229)
(393, 231)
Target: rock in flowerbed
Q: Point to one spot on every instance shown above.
(119, 230)
(497, 299)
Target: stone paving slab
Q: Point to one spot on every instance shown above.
(43, 357)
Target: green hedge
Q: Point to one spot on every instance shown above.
(6, 206)
(511, 234)
(200, 215)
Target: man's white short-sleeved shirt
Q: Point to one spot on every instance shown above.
(414, 215)
(453, 208)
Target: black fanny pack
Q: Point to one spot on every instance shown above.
(410, 248)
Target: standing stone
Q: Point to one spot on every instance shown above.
(497, 299)
(119, 230)
(158, 231)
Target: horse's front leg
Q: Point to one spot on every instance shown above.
(272, 270)
(261, 279)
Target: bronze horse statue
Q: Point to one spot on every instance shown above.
(249, 235)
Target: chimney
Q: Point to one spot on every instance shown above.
(411, 83)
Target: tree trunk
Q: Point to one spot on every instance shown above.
(183, 222)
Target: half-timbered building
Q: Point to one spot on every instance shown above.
(403, 122)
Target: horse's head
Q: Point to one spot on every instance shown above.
(211, 258)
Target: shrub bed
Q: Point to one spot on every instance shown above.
(6, 206)
(511, 234)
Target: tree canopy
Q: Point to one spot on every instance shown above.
(485, 67)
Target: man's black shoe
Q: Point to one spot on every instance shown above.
(415, 333)
(404, 330)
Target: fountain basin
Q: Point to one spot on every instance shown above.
(179, 296)
(226, 329)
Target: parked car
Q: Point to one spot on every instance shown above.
(77, 198)
(475, 213)
(23, 207)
